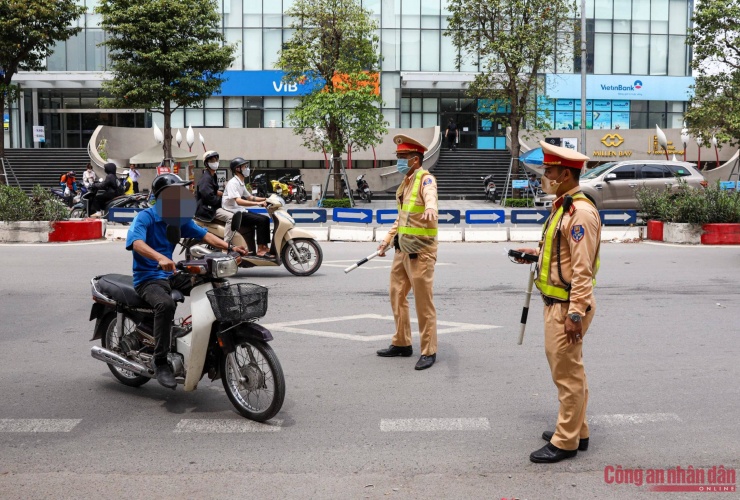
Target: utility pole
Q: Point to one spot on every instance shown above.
(583, 76)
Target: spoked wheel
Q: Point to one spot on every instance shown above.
(253, 380)
(119, 343)
(305, 259)
(300, 196)
(77, 213)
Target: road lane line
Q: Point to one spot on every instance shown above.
(434, 424)
(38, 424)
(632, 419)
(226, 426)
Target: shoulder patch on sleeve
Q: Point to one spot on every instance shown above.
(577, 233)
(427, 181)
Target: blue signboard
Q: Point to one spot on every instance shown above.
(727, 185)
(317, 215)
(618, 217)
(519, 184)
(257, 210)
(263, 83)
(386, 216)
(123, 214)
(529, 216)
(485, 216)
(449, 217)
(626, 87)
(358, 215)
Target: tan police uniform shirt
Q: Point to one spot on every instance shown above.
(427, 192)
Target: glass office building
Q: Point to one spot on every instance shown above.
(637, 64)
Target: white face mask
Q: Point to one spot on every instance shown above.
(245, 172)
(551, 187)
(213, 165)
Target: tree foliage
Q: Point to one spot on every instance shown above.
(165, 54)
(715, 107)
(28, 31)
(335, 47)
(515, 42)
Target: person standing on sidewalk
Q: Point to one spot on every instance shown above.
(567, 266)
(414, 236)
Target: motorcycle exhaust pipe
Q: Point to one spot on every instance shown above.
(114, 359)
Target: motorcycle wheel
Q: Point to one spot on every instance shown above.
(300, 196)
(77, 213)
(309, 260)
(112, 341)
(258, 391)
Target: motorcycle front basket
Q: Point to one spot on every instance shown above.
(239, 302)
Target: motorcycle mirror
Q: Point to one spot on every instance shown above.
(173, 234)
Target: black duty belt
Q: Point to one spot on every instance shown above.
(550, 301)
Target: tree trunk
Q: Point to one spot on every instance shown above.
(167, 146)
(4, 179)
(515, 146)
(336, 158)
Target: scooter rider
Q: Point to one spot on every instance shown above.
(105, 191)
(237, 196)
(208, 196)
(153, 266)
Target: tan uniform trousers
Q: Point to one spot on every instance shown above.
(417, 275)
(569, 375)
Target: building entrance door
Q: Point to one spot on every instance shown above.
(467, 127)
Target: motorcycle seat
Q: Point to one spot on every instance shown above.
(120, 287)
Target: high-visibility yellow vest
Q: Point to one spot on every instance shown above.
(414, 233)
(543, 278)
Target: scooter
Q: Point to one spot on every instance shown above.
(259, 184)
(282, 189)
(490, 188)
(298, 189)
(220, 338)
(294, 248)
(81, 208)
(363, 189)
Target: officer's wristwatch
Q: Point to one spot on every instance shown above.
(575, 317)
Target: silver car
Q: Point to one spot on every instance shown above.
(614, 185)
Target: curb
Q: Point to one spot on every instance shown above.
(55, 232)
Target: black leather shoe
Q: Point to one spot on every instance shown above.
(582, 444)
(425, 362)
(394, 350)
(549, 454)
(165, 376)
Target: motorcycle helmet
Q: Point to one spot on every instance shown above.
(71, 174)
(208, 158)
(162, 181)
(237, 162)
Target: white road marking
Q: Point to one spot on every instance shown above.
(632, 419)
(38, 424)
(57, 244)
(290, 327)
(226, 426)
(434, 424)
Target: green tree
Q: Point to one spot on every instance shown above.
(28, 31)
(715, 106)
(335, 46)
(165, 54)
(515, 42)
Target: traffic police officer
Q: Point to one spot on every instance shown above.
(568, 262)
(414, 235)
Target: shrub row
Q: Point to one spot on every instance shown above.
(686, 204)
(41, 205)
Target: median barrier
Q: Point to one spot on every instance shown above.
(486, 235)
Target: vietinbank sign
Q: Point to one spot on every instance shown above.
(264, 84)
(626, 87)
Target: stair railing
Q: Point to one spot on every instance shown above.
(8, 168)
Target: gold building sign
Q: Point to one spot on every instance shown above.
(611, 141)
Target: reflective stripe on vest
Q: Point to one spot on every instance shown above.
(543, 279)
(405, 210)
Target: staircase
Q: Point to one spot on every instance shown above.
(43, 166)
(459, 172)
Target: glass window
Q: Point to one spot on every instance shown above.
(391, 14)
(411, 13)
(233, 102)
(95, 55)
(76, 52)
(252, 49)
(405, 120)
(603, 9)
(214, 118)
(391, 116)
(390, 83)
(658, 10)
(430, 55)
(654, 172)
(622, 26)
(602, 53)
(447, 54)
(273, 102)
(470, 62)
(678, 171)
(622, 9)
(429, 120)
(273, 118)
(178, 121)
(372, 5)
(416, 104)
(430, 104)
(677, 56)
(564, 63)
(640, 10)
(410, 50)
(603, 26)
(233, 13)
(272, 44)
(234, 37)
(57, 61)
(621, 58)
(640, 46)
(194, 117)
(658, 55)
(677, 17)
(625, 172)
(390, 49)
(416, 120)
(430, 13)
(405, 104)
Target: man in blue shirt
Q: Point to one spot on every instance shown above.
(153, 264)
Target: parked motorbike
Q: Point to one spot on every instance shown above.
(298, 188)
(259, 184)
(294, 248)
(81, 208)
(490, 188)
(220, 338)
(363, 189)
(281, 188)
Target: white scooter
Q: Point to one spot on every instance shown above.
(220, 337)
(298, 250)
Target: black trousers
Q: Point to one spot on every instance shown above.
(99, 201)
(156, 293)
(451, 141)
(251, 222)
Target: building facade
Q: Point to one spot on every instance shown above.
(637, 64)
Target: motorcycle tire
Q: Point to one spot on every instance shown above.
(300, 196)
(77, 213)
(260, 396)
(310, 252)
(111, 340)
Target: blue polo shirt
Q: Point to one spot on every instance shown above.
(149, 227)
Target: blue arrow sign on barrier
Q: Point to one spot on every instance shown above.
(529, 216)
(317, 215)
(618, 217)
(449, 217)
(123, 214)
(386, 216)
(357, 215)
(485, 216)
(257, 210)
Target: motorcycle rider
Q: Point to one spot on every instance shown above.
(208, 195)
(68, 182)
(236, 196)
(105, 191)
(153, 266)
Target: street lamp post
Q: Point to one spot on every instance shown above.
(685, 141)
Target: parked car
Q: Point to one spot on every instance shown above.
(614, 185)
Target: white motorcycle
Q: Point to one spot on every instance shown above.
(220, 338)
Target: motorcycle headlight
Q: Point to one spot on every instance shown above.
(223, 267)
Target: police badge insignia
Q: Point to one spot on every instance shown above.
(577, 233)
(427, 181)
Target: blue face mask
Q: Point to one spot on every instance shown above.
(402, 164)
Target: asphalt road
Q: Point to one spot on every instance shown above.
(661, 357)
